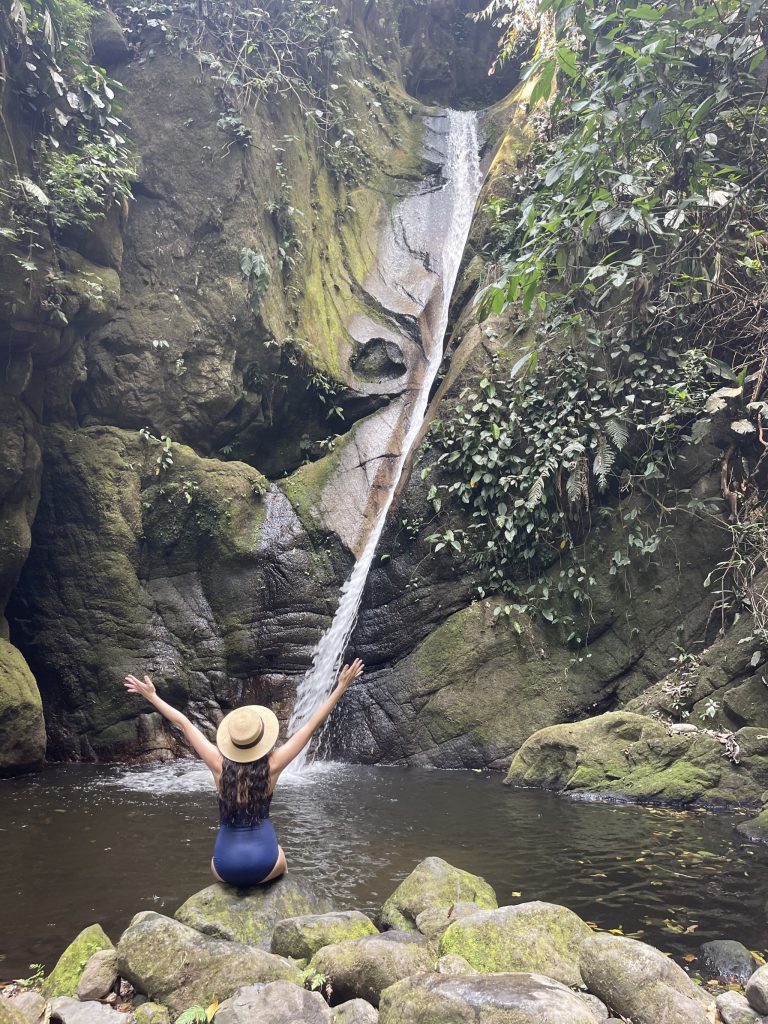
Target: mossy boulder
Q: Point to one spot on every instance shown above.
(482, 999)
(279, 1002)
(22, 729)
(355, 1011)
(535, 938)
(433, 921)
(178, 967)
(629, 755)
(301, 937)
(432, 884)
(640, 983)
(65, 976)
(152, 1013)
(363, 968)
(250, 915)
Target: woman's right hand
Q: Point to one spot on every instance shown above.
(350, 673)
(144, 689)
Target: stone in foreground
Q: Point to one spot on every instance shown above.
(30, 1003)
(733, 1008)
(364, 968)
(301, 937)
(65, 976)
(178, 967)
(249, 915)
(99, 976)
(639, 982)
(727, 960)
(65, 1010)
(277, 1003)
(355, 1011)
(536, 938)
(483, 999)
(152, 1013)
(434, 883)
(757, 990)
(10, 1014)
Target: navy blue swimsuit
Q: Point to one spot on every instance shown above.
(245, 854)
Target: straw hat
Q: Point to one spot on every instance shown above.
(247, 733)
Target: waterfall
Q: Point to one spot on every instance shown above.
(433, 222)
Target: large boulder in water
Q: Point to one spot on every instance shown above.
(434, 883)
(537, 938)
(22, 730)
(362, 969)
(249, 915)
(639, 982)
(177, 966)
(301, 937)
(65, 976)
(483, 999)
(277, 1003)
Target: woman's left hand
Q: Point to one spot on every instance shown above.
(144, 689)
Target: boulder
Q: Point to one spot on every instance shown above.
(249, 915)
(483, 999)
(65, 976)
(108, 40)
(277, 1003)
(178, 967)
(452, 963)
(65, 1010)
(432, 884)
(639, 982)
(597, 1006)
(301, 937)
(22, 730)
(433, 921)
(727, 960)
(355, 1011)
(363, 968)
(152, 1013)
(99, 977)
(537, 938)
(10, 1014)
(757, 990)
(733, 1008)
(30, 1003)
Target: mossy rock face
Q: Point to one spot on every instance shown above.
(178, 967)
(362, 969)
(65, 976)
(434, 883)
(22, 730)
(301, 937)
(632, 756)
(483, 999)
(640, 983)
(250, 915)
(532, 937)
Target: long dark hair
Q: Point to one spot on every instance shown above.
(244, 791)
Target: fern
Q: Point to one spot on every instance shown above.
(618, 432)
(605, 457)
(536, 492)
(193, 1015)
(577, 484)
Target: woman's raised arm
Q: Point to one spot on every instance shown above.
(282, 756)
(201, 746)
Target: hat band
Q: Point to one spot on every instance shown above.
(249, 743)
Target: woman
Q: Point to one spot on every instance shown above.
(246, 768)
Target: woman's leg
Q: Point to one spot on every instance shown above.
(280, 868)
(215, 873)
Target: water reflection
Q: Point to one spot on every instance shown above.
(85, 843)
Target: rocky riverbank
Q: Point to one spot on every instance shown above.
(440, 951)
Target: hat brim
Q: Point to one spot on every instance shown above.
(265, 744)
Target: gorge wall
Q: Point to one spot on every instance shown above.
(213, 560)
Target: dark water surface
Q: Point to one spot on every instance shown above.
(85, 843)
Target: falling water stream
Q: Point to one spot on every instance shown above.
(435, 222)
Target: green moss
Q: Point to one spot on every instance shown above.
(64, 978)
(301, 937)
(434, 883)
(22, 731)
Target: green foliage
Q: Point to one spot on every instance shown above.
(313, 979)
(164, 459)
(35, 979)
(193, 1015)
(255, 273)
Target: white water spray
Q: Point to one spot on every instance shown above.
(443, 216)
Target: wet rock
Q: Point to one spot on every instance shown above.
(727, 960)
(452, 963)
(250, 915)
(22, 730)
(639, 982)
(30, 1003)
(179, 967)
(433, 921)
(108, 40)
(99, 977)
(65, 976)
(433, 884)
(483, 999)
(757, 990)
(355, 1011)
(277, 1003)
(301, 937)
(151, 1013)
(734, 1008)
(531, 937)
(362, 969)
(65, 1010)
